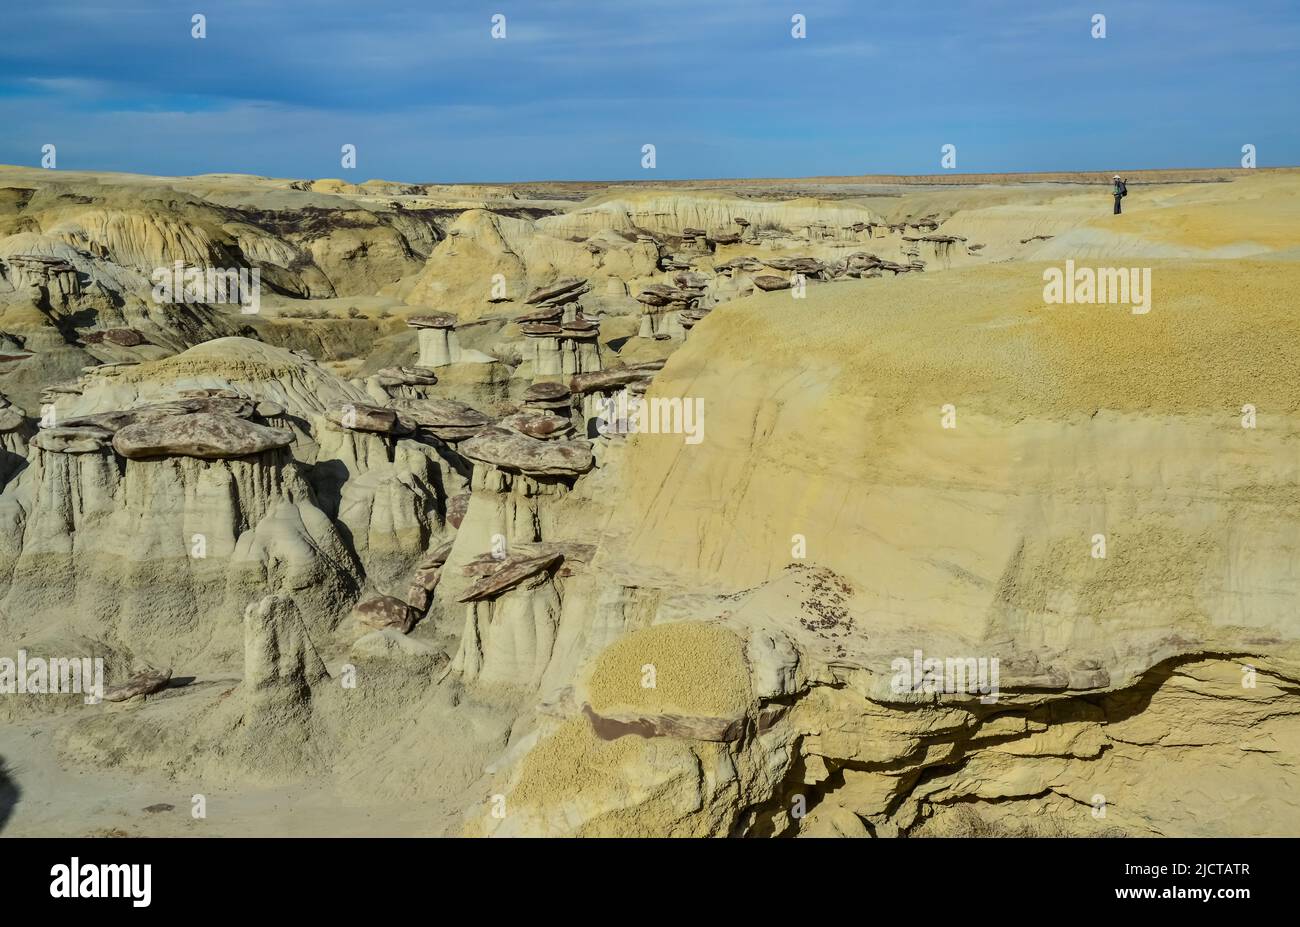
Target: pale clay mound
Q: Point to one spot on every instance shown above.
(403, 583)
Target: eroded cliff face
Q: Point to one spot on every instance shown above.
(767, 739)
(890, 546)
(1089, 519)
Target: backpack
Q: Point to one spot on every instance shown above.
(1123, 188)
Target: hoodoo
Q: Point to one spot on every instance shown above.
(434, 526)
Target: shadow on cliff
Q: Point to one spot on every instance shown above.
(9, 794)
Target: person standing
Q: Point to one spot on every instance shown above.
(1119, 191)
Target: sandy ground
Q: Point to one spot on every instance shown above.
(90, 802)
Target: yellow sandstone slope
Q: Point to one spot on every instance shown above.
(1114, 515)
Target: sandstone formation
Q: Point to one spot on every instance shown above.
(428, 533)
(212, 436)
(535, 452)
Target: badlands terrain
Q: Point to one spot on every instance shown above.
(387, 551)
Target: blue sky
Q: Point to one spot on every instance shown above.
(576, 88)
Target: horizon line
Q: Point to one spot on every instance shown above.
(883, 178)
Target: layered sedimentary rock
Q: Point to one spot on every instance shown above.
(444, 419)
(16, 430)
(560, 348)
(207, 435)
(514, 611)
(439, 345)
(519, 486)
(599, 396)
(158, 554)
(1066, 626)
(950, 558)
(388, 489)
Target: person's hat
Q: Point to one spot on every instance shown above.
(1117, 177)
